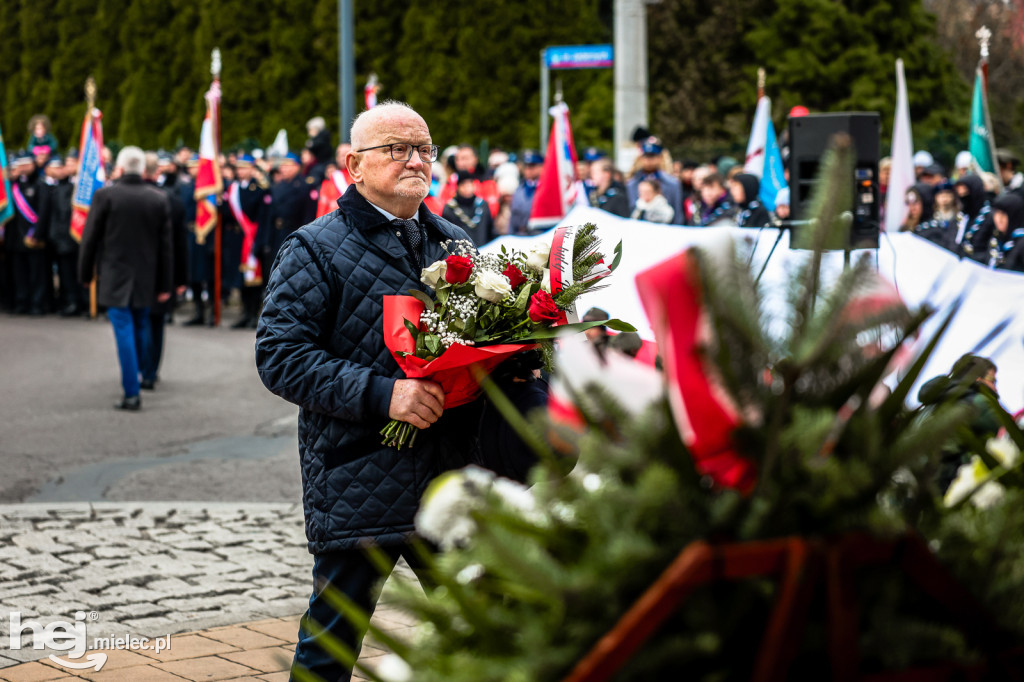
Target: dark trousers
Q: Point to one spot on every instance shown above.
(131, 332)
(157, 322)
(71, 292)
(30, 281)
(351, 573)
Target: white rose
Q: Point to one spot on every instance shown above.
(537, 259)
(434, 274)
(1004, 450)
(545, 281)
(491, 286)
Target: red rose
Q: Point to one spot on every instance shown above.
(514, 274)
(458, 269)
(543, 308)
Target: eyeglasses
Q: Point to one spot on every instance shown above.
(402, 151)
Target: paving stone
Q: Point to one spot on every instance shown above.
(189, 646)
(206, 668)
(32, 672)
(39, 542)
(145, 673)
(266, 660)
(243, 638)
(285, 631)
(276, 677)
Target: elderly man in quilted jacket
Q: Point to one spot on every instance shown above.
(320, 345)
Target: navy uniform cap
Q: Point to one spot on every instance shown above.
(532, 158)
(22, 156)
(593, 154)
(652, 148)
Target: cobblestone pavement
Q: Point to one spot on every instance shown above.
(149, 569)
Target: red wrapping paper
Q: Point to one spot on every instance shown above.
(705, 414)
(453, 369)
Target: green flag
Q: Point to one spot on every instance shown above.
(982, 146)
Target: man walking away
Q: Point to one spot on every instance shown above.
(127, 240)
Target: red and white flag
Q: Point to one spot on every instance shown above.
(208, 181)
(559, 189)
(370, 91)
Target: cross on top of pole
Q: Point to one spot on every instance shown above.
(215, 63)
(984, 36)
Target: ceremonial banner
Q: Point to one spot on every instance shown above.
(208, 180)
(370, 91)
(250, 265)
(901, 175)
(6, 208)
(764, 159)
(91, 174)
(558, 189)
(982, 145)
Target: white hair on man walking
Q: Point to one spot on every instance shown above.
(315, 125)
(131, 160)
(362, 125)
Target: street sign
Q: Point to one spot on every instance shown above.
(579, 57)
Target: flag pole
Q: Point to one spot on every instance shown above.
(760, 82)
(90, 101)
(984, 35)
(215, 70)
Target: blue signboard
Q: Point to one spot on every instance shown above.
(579, 57)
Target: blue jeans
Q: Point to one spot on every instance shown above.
(131, 332)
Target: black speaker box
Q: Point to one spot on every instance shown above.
(809, 138)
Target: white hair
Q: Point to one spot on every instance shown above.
(363, 123)
(316, 124)
(131, 160)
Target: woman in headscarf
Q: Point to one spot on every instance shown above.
(1006, 245)
(974, 200)
(745, 189)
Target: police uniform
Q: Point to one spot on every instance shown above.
(254, 201)
(292, 205)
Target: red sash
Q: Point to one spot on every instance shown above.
(250, 265)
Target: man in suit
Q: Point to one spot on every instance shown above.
(129, 232)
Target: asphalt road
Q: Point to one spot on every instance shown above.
(209, 432)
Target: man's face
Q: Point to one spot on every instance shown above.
(1001, 220)
(384, 180)
(739, 195)
(23, 168)
(531, 171)
(465, 189)
(341, 153)
(55, 172)
(782, 210)
(650, 162)
(686, 176)
(289, 169)
(244, 172)
(600, 175)
(1006, 171)
(465, 159)
(883, 175)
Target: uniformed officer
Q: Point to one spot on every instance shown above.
(26, 235)
(522, 200)
(293, 200)
(230, 240)
(248, 201)
(200, 256)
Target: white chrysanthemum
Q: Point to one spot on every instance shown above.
(1004, 450)
(434, 274)
(537, 258)
(545, 281)
(393, 668)
(491, 286)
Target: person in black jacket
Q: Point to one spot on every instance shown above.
(73, 299)
(293, 200)
(470, 212)
(26, 235)
(127, 241)
(320, 345)
(745, 189)
(608, 195)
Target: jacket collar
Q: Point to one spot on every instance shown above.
(361, 215)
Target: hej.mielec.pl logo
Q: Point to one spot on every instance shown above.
(72, 638)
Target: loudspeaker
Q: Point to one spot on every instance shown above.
(809, 138)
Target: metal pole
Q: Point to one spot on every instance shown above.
(630, 77)
(346, 68)
(545, 86)
(217, 247)
(90, 99)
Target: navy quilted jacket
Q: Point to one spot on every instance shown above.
(320, 345)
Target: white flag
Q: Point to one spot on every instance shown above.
(758, 139)
(901, 176)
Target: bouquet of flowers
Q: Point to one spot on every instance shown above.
(488, 307)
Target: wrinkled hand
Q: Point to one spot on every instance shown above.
(417, 402)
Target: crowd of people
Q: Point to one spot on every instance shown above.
(976, 216)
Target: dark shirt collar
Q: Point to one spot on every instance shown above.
(363, 215)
